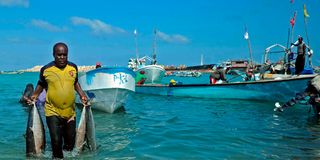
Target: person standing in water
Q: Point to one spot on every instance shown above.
(60, 79)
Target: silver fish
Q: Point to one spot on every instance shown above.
(35, 134)
(90, 130)
(85, 131)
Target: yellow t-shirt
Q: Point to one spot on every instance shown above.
(60, 98)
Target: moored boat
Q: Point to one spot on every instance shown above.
(278, 89)
(187, 74)
(108, 87)
(154, 73)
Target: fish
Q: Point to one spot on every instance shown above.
(28, 91)
(35, 134)
(90, 131)
(81, 132)
(86, 133)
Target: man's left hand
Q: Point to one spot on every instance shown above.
(71, 119)
(84, 100)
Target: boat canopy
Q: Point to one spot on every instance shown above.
(283, 50)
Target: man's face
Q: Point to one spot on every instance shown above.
(60, 56)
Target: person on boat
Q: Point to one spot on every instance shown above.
(218, 75)
(249, 74)
(266, 68)
(301, 51)
(154, 62)
(312, 91)
(98, 65)
(141, 77)
(172, 82)
(60, 79)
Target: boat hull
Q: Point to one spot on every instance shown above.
(153, 73)
(108, 88)
(276, 90)
(109, 100)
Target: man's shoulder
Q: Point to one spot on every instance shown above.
(72, 64)
(50, 64)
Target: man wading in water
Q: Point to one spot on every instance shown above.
(60, 79)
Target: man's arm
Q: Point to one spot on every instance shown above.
(310, 51)
(294, 44)
(35, 94)
(82, 95)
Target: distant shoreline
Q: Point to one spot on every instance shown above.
(38, 67)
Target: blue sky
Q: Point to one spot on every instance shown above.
(102, 30)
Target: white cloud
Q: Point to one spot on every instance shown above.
(97, 26)
(13, 3)
(175, 38)
(47, 26)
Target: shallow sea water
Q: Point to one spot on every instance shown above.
(161, 127)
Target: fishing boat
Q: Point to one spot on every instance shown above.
(278, 89)
(154, 73)
(108, 87)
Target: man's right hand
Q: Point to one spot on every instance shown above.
(31, 100)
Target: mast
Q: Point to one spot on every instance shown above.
(154, 55)
(246, 36)
(306, 15)
(136, 43)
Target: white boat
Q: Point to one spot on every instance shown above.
(153, 72)
(188, 74)
(108, 88)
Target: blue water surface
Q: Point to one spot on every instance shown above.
(161, 127)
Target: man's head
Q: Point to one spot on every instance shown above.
(60, 54)
(300, 39)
